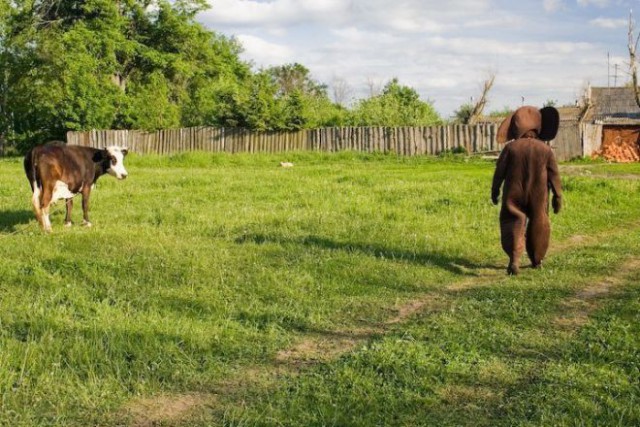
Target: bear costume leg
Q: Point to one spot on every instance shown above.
(538, 234)
(512, 235)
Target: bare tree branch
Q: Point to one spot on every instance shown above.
(375, 87)
(633, 68)
(341, 91)
(476, 113)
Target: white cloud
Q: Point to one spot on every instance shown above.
(359, 38)
(609, 23)
(552, 5)
(412, 16)
(278, 12)
(264, 53)
(598, 3)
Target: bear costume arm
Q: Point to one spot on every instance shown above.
(499, 174)
(553, 177)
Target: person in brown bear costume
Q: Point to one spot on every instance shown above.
(529, 170)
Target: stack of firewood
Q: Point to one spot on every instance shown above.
(619, 150)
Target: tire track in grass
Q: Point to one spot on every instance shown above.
(586, 172)
(577, 309)
(326, 346)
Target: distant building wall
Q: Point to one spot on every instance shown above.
(591, 138)
(568, 143)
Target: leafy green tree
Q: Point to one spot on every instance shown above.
(463, 113)
(296, 77)
(302, 102)
(82, 64)
(397, 105)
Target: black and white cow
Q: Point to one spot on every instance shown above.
(58, 171)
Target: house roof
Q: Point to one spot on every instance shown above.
(567, 114)
(570, 114)
(613, 105)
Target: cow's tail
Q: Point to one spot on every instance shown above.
(31, 169)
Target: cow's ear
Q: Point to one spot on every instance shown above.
(100, 155)
(125, 151)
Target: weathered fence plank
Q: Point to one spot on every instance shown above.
(407, 141)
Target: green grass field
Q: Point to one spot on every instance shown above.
(349, 290)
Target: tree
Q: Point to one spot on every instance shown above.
(478, 108)
(397, 105)
(341, 91)
(82, 64)
(633, 47)
(296, 77)
(463, 113)
(301, 101)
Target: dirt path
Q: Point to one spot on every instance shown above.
(585, 171)
(327, 346)
(577, 309)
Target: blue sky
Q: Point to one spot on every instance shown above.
(540, 50)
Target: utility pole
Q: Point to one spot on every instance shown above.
(608, 69)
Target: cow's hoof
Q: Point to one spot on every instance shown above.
(47, 230)
(68, 224)
(86, 224)
(512, 270)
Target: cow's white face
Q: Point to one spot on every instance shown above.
(116, 162)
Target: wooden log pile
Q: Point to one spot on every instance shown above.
(619, 149)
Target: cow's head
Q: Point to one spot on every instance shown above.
(112, 159)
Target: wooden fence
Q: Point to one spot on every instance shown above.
(401, 140)
(408, 141)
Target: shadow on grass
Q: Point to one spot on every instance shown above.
(9, 220)
(456, 265)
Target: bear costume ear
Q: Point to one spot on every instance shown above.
(504, 133)
(525, 119)
(550, 123)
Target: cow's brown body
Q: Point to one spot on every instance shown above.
(58, 171)
(528, 168)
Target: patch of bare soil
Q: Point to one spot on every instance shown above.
(325, 346)
(461, 394)
(330, 345)
(578, 308)
(153, 411)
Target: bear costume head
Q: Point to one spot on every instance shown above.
(530, 122)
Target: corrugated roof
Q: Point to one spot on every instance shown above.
(612, 104)
(567, 114)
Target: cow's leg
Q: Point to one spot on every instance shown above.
(47, 193)
(36, 200)
(67, 218)
(86, 192)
